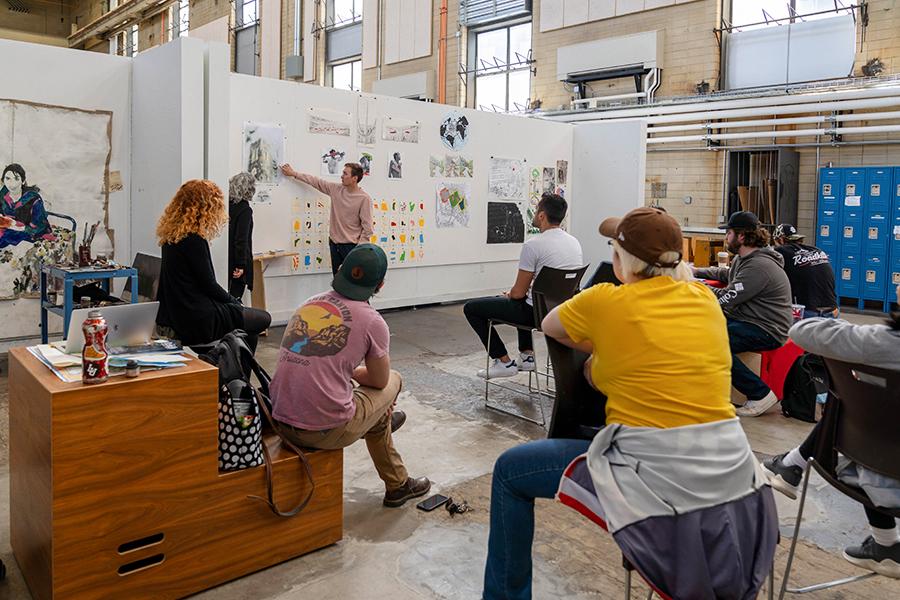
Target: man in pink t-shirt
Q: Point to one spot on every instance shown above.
(314, 400)
(351, 210)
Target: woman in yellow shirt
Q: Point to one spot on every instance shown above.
(659, 351)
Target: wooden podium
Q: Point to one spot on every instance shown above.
(115, 490)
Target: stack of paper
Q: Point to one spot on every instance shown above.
(68, 366)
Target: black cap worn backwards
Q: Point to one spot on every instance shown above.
(361, 272)
(743, 219)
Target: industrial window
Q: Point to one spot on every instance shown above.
(502, 68)
(347, 76)
(127, 41)
(753, 14)
(179, 19)
(246, 33)
(109, 5)
(343, 12)
(479, 12)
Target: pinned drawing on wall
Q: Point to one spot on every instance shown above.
(366, 121)
(400, 230)
(54, 179)
(534, 196)
(309, 236)
(365, 161)
(395, 167)
(459, 166)
(452, 205)
(400, 130)
(562, 172)
(435, 166)
(505, 223)
(454, 130)
(333, 160)
(549, 180)
(329, 122)
(506, 179)
(263, 152)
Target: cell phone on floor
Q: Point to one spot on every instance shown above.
(429, 504)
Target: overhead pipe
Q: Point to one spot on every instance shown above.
(745, 147)
(775, 134)
(880, 116)
(442, 56)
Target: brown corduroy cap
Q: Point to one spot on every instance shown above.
(646, 233)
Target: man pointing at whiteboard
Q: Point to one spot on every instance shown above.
(351, 210)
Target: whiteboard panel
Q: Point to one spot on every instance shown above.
(575, 12)
(370, 34)
(651, 4)
(822, 49)
(551, 14)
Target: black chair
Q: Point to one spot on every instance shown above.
(579, 410)
(604, 274)
(860, 422)
(551, 288)
(148, 268)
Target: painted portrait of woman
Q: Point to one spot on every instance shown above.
(23, 217)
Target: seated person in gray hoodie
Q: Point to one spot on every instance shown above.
(877, 346)
(756, 302)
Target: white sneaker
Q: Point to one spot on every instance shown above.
(754, 408)
(526, 362)
(499, 369)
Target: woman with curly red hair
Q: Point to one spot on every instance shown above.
(191, 302)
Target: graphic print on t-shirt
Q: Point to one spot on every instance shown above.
(318, 328)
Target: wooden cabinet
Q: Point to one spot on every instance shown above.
(115, 489)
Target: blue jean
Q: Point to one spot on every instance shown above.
(826, 314)
(521, 474)
(747, 337)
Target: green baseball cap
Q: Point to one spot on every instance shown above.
(361, 272)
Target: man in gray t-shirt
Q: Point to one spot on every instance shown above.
(552, 248)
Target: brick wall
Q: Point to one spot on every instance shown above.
(882, 36)
(207, 11)
(697, 175)
(51, 20)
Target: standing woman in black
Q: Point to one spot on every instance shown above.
(241, 188)
(191, 302)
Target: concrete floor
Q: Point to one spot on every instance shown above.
(449, 436)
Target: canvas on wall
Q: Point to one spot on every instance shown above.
(395, 166)
(455, 130)
(452, 205)
(263, 152)
(329, 122)
(55, 164)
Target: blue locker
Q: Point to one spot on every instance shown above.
(828, 218)
(847, 272)
(852, 211)
(894, 234)
(878, 196)
(873, 278)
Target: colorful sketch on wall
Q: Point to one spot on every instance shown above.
(458, 166)
(54, 168)
(366, 121)
(400, 130)
(333, 160)
(505, 223)
(329, 122)
(435, 166)
(400, 230)
(263, 152)
(534, 196)
(562, 172)
(309, 236)
(455, 130)
(452, 205)
(549, 180)
(395, 167)
(506, 179)
(365, 161)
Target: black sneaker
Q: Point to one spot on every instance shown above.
(398, 418)
(413, 488)
(783, 478)
(884, 560)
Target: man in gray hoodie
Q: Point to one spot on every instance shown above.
(756, 302)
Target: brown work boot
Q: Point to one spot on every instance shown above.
(413, 488)
(398, 418)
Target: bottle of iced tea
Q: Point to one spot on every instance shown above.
(94, 355)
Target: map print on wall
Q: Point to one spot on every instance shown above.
(455, 130)
(309, 236)
(505, 223)
(400, 130)
(333, 160)
(452, 205)
(400, 230)
(506, 180)
(329, 122)
(263, 152)
(366, 121)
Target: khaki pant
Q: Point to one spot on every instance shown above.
(371, 422)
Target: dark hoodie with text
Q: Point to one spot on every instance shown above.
(758, 291)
